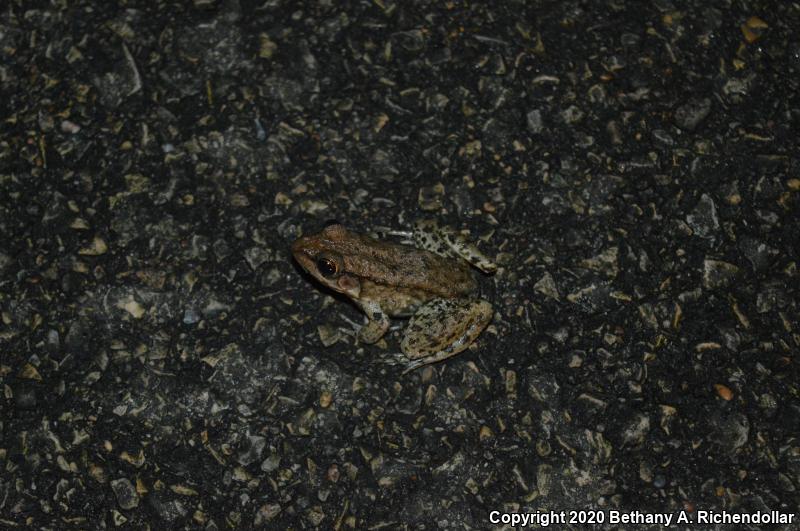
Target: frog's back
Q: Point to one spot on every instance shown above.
(402, 266)
(408, 267)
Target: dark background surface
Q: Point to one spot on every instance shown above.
(632, 166)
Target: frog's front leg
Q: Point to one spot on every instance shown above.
(377, 325)
(442, 328)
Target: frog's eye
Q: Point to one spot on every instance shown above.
(328, 267)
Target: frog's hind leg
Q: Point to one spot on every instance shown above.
(442, 328)
(445, 241)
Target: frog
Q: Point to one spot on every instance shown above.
(429, 279)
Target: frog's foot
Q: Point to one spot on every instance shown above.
(376, 327)
(445, 241)
(442, 328)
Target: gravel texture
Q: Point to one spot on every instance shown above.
(633, 168)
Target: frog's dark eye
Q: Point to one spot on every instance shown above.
(327, 266)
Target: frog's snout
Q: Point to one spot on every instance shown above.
(300, 252)
(297, 246)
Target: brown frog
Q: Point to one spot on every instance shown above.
(432, 283)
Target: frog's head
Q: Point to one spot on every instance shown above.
(319, 255)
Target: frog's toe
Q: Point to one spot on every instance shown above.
(416, 364)
(442, 328)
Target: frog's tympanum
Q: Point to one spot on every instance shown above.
(432, 283)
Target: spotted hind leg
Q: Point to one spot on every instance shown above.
(445, 241)
(442, 328)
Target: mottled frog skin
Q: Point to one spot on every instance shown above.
(431, 282)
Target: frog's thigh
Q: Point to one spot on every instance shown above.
(377, 325)
(442, 328)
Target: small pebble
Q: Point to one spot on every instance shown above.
(724, 392)
(325, 399)
(126, 494)
(96, 248)
(689, 115)
(753, 29)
